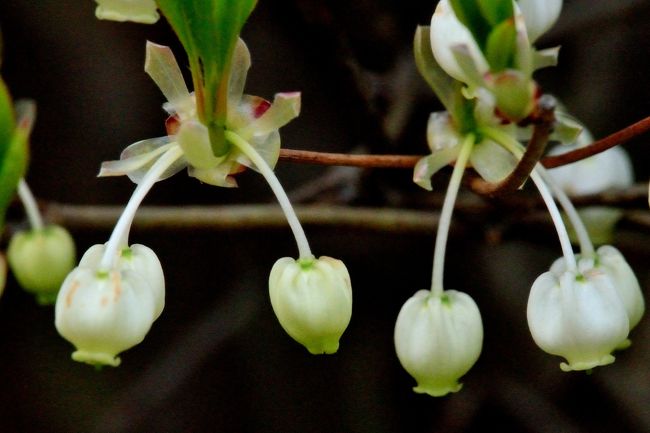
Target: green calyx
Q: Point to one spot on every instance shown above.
(208, 30)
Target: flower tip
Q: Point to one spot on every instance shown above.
(96, 358)
(324, 347)
(439, 390)
(587, 365)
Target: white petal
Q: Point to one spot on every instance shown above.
(540, 15)
(162, 67)
(241, 62)
(447, 32)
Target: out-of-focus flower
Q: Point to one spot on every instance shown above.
(40, 260)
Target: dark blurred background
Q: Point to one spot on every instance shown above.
(217, 360)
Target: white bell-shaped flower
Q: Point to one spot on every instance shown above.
(41, 259)
(312, 300)
(609, 260)
(139, 11)
(138, 259)
(540, 15)
(577, 316)
(103, 313)
(438, 338)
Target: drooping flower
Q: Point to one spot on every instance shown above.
(312, 300)
(438, 338)
(139, 11)
(41, 259)
(578, 316)
(104, 313)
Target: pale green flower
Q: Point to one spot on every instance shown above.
(41, 259)
(438, 338)
(312, 300)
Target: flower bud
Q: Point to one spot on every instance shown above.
(438, 338)
(312, 300)
(40, 260)
(136, 258)
(577, 316)
(103, 313)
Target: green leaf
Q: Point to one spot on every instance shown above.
(501, 46)
(7, 120)
(13, 163)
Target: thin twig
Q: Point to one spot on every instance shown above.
(534, 150)
(367, 161)
(612, 140)
(409, 161)
(243, 217)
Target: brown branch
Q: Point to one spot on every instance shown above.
(542, 128)
(409, 161)
(625, 134)
(368, 161)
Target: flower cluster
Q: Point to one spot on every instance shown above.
(108, 303)
(479, 59)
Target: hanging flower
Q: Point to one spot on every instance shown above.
(438, 338)
(104, 313)
(139, 11)
(577, 316)
(312, 300)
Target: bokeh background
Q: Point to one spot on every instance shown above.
(216, 360)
